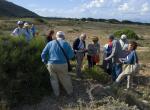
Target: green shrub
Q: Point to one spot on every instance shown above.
(130, 34)
(97, 73)
(23, 77)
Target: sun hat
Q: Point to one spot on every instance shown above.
(19, 22)
(123, 37)
(26, 24)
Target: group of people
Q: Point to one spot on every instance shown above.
(119, 58)
(24, 29)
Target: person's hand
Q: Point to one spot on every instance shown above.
(106, 59)
(120, 60)
(85, 50)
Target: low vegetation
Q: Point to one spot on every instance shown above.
(97, 73)
(130, 34)
(23, 77)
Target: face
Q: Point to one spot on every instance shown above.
(83, 38)
(20, 25)
(130, 47)
(110, 40)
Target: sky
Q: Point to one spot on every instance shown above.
(134, 10)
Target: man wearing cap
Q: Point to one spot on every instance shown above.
(79, 47)
(115, 55)
(19, 30)
(57, 63)
(124, 42)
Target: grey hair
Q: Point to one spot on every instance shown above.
(60, 34)
(83, 35)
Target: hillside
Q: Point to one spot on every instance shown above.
(9, 9)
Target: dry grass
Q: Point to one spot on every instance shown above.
(74, 29)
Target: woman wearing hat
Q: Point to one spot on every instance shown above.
(93, 52)
(27, 31)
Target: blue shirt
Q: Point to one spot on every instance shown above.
(131, 58)
(52, 53)
(27, 33)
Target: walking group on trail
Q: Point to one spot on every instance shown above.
(119, 56)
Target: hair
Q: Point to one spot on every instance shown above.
(51, 32)
(83, 35)
(60, 34)
(111, 36)
(134, 44)
(94, 38)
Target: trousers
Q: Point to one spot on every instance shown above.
(59, 73)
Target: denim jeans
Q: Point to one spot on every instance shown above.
(116, 70)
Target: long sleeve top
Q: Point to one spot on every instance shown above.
(17, 32)
(78, 44)
(52, 53)
(116, 51)
(27, 33)
(131, 58)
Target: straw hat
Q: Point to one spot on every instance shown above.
(26, 24)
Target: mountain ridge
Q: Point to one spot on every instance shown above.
(9, 9)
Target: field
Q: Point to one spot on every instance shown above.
(101, 99)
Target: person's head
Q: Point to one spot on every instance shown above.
(123, 37)
(20, 24)
(95, 39)
(110, 38)
(83, 36)
(26, 25)
(132, 45)
(51, 33)
(60, 34)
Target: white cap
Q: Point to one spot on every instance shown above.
(60, 34)
(20, 22)
(26, 24)
(123, 36)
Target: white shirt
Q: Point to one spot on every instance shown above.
(17, 32)
(124, 44)
(81, 45)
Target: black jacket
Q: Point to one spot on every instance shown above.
(76, 44)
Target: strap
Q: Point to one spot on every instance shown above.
(135, 58)
(63, 51)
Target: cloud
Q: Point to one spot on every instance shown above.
(145, 8)
(117, 9)
(93, 4)
(124, 7)
(116, 1)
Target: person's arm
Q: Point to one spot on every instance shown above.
(15, 32)
(44, 54)
(129, 59)
(113, 52)
(70, 52)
